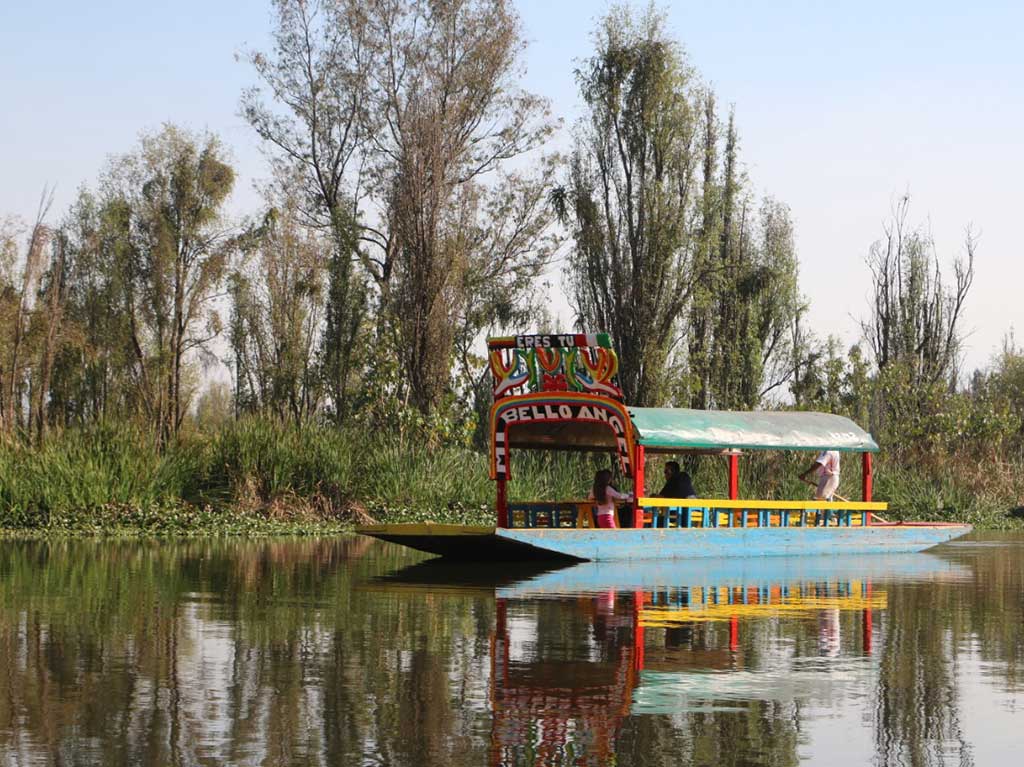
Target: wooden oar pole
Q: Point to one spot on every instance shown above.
(871, 514)
(834, 495)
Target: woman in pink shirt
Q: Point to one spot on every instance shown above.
(606, 497)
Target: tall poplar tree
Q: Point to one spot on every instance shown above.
(632, 198)
(695, 281)
(464, 235)
(401, 117)
(315, 127)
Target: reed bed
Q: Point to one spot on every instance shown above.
(260, 475)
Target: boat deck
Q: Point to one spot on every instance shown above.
(484, 543)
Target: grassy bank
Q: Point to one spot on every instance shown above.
(251, 477)
(258, 477)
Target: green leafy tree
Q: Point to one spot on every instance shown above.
(672, 254)
(740, 342)
(756, 303)
(316, 129)
(278, 303)
(399, 119)
(631, 197)
(92, 375)
(1003, 386)
(10, 299)
(170, 243)
(464, 236)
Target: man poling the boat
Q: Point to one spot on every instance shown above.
(827, 467)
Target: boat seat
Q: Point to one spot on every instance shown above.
(552, 514)
(585, 516)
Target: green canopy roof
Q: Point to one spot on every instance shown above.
(662, 428)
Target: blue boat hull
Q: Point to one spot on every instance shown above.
(515, 544)
(651, 576)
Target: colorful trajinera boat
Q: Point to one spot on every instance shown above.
(560, 392)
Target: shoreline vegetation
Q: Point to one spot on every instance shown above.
(404, 220)
(257, 476)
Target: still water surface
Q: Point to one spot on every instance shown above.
(355, 652)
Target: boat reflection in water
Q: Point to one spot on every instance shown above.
(577, 651)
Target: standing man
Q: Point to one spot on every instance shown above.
(827, 466)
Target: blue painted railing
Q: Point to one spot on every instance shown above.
(702, 516)
(713, 514)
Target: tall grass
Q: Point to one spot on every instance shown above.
(115, 474)
(263, 460)
(82, 471)
(260, 469)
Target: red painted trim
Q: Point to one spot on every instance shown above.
(638, 485)
(502, 504)
(866, 627)
(734, 477)
(876, 523)
(866, 479)
(501, 630)
(638, 631)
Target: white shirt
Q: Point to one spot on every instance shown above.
(829, 462)
(612, 495)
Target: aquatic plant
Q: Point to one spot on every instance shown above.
(260, 475)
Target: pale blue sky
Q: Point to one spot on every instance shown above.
(841, 108)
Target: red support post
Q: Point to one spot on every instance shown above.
(638, 631)
(499, 677)
(638, 485)
(734, 633)
(502, 504)
(866, 476)
(734, 477)
(501, 634)
(866, 620)
(866, 482)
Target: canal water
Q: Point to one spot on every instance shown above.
(354, 652)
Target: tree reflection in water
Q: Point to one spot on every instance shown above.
(328, 652)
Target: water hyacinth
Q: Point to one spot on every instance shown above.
(258, 474)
